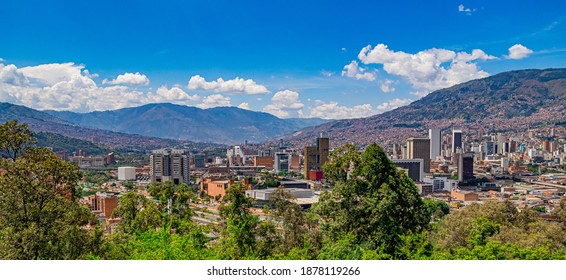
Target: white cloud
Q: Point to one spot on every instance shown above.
(332, 110)
(53, 73)
(2, 60)
(244, 105)
(128, 79)
(386, 86)
(518, 51)
(430, 69)
(353, 70)
(214, 100)
(237, 85)
(174, 94)
(283, 103)
(343, 49)
(465, 10)
(70, 87)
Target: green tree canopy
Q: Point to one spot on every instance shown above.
(41, 217)
(371, 200)
(15, 138)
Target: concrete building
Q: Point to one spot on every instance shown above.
(126, 173)
(466, 167)
(88, 162)
(434, 134)
(456, 140)
(414, 168)
(282, 162)
(441, 183)
(419, 148)
(464, 195)
(169, 164)
(316, 156)
(200, 161)
(102, 204)
(266, 161)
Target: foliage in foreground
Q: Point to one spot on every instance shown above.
(374, 212)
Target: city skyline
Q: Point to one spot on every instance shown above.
(291, 59)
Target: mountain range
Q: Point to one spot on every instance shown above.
(43, 122)
(509, 101)
(223, 125)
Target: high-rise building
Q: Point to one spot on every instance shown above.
(500, 143)
(282, 162)
(169, 164)
(316, 156)
(456, 139)
(200, 161)
(419, 148)
(435, 142)
(465, 167)
(414, 167)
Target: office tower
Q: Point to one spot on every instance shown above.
(282, 162)
(200, 161)
(500, 143)
(419, 148)
(456, 139)
(489, 148)
(316, 156)
(465, 167)
(414, 167)
(169, 164)
(435, 142)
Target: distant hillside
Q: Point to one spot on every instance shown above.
(514, 100)
(43, 122)
(62, 143)
(229, 125)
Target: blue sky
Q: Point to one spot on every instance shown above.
(330, 59)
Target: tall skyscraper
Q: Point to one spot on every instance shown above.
(316, 156)
(500, 143)
(435, 142)
(465, 167)
(170, 164)
(456, 139)
(419, 148)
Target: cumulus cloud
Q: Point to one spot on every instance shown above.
(518, 51)
(174, 95)
(128, 79)
(68, 86)
(430, 69)
(386, 86)
(283, 103)
(244, 105)
(52, 73)
(332, 110)
(237, 85)
(214, 100)
(353, 70)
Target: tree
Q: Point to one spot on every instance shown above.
(292, 220)
(137, 213)
(41, 217)
(371, 200)
(174, 202)
(238, 235)
(15, 138)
